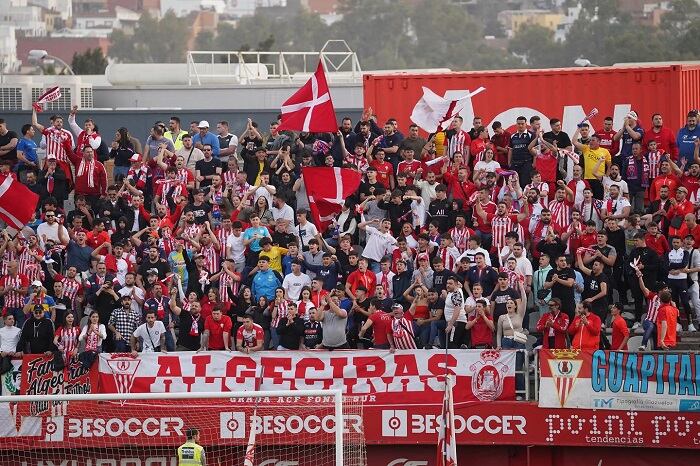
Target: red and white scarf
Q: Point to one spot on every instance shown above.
(88, 167)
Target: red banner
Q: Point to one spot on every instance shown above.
(39, 378)
(378, 377)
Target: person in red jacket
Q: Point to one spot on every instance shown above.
(620, 332)
(606, 135)
(90, 176)
(553, 325)
(656, 241)
(664, 137)
(585, 328)
(680, 207)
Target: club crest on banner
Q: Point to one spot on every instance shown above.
(123, 369)
(565, 369)
(488, 375)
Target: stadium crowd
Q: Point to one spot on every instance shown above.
(203, 240)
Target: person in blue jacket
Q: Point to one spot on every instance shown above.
(686, 138)
(265, 280)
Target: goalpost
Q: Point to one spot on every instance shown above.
(255, 428)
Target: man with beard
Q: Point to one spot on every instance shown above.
(686, 138)
(616, 207)
(657, 209)
(664, 137)
(665, 178)
(541, 230)
(561, 205)
(637, 174)
(561, 281)
(152, 262)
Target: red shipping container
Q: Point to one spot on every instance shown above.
(568, 94)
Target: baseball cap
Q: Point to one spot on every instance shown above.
(203, 124)
(632, 114)
(50, 156)
(361, 288)
(397, 306)
(135, 158)
(152, 271)
(37, 283)
(199, 191)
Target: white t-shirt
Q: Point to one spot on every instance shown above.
(263, 192)
(286, 213)
(306, 232)
(235, 243)
(50, 231)
(150, 337)
(470, 303)
(523, 265)
(607, 182)
(9, 337)
(294, 283)
(488, 167)
(470, 253)
(378, 244)
(126, 291)
(454, 302)
(418, 209)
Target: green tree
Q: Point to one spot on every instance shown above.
(153, 41)
(92, 61)
(536, 46)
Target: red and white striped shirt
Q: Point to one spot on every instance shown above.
(28, 265)
(164, 187)
(655, 163)
(449, 256)
(460, 237)
(281, 312)
(211, 258)
(226, 284)
(653, 307)
(222, 235)
(71, 289)
(14, 299)
(561, 212)
(229, 179)
(58, 143)
(67, 339)
(402, 331)
(5, 262)
(190, 232)
(500, 226)
(240, 190)
(457, 143)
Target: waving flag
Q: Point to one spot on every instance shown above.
(310, 109)
(327, 189)
(434, 113)
(447, 445)
(52, 94)
(17, 202)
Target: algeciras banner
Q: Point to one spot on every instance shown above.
(376, 376)
(495, 423)
(619, 380)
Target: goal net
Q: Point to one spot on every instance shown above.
(282, 428)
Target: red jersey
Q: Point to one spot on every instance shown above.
(668, 314)
(671, 181)
(561, 212)
(250, 338)
(501, 226)
(459, 190)
(619, 333)
(476, 147)
(59, 142)
(367, 279)
(657, 243)
(216, 331)
(93, 240)
(490, 209)
(410, 169)
(607, 141)
(692, 184)
(381, 324)
(684, 231)
(587, 240)
(384, 171)
(585, 336)
(460, 237)
(546, 164)
(665, 140)
(481, 334)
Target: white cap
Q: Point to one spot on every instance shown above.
(37, 283)
(203, 124)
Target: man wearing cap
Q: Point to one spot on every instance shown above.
(204, 137)
(37, 334)
(686, 138)
(401, 331)
(37, 297)
(629, 133)
(153, 261)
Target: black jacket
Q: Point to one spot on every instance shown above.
(37, 336)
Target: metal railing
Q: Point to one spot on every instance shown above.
(244, 67)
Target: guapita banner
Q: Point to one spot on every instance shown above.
(620, 380)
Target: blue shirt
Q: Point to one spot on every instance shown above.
(47, 302)
(685, 141)
(265, 283)
(28, 148)
(626, 141)
(210, 139)
(250, 232)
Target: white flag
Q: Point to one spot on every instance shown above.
(434, 113)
